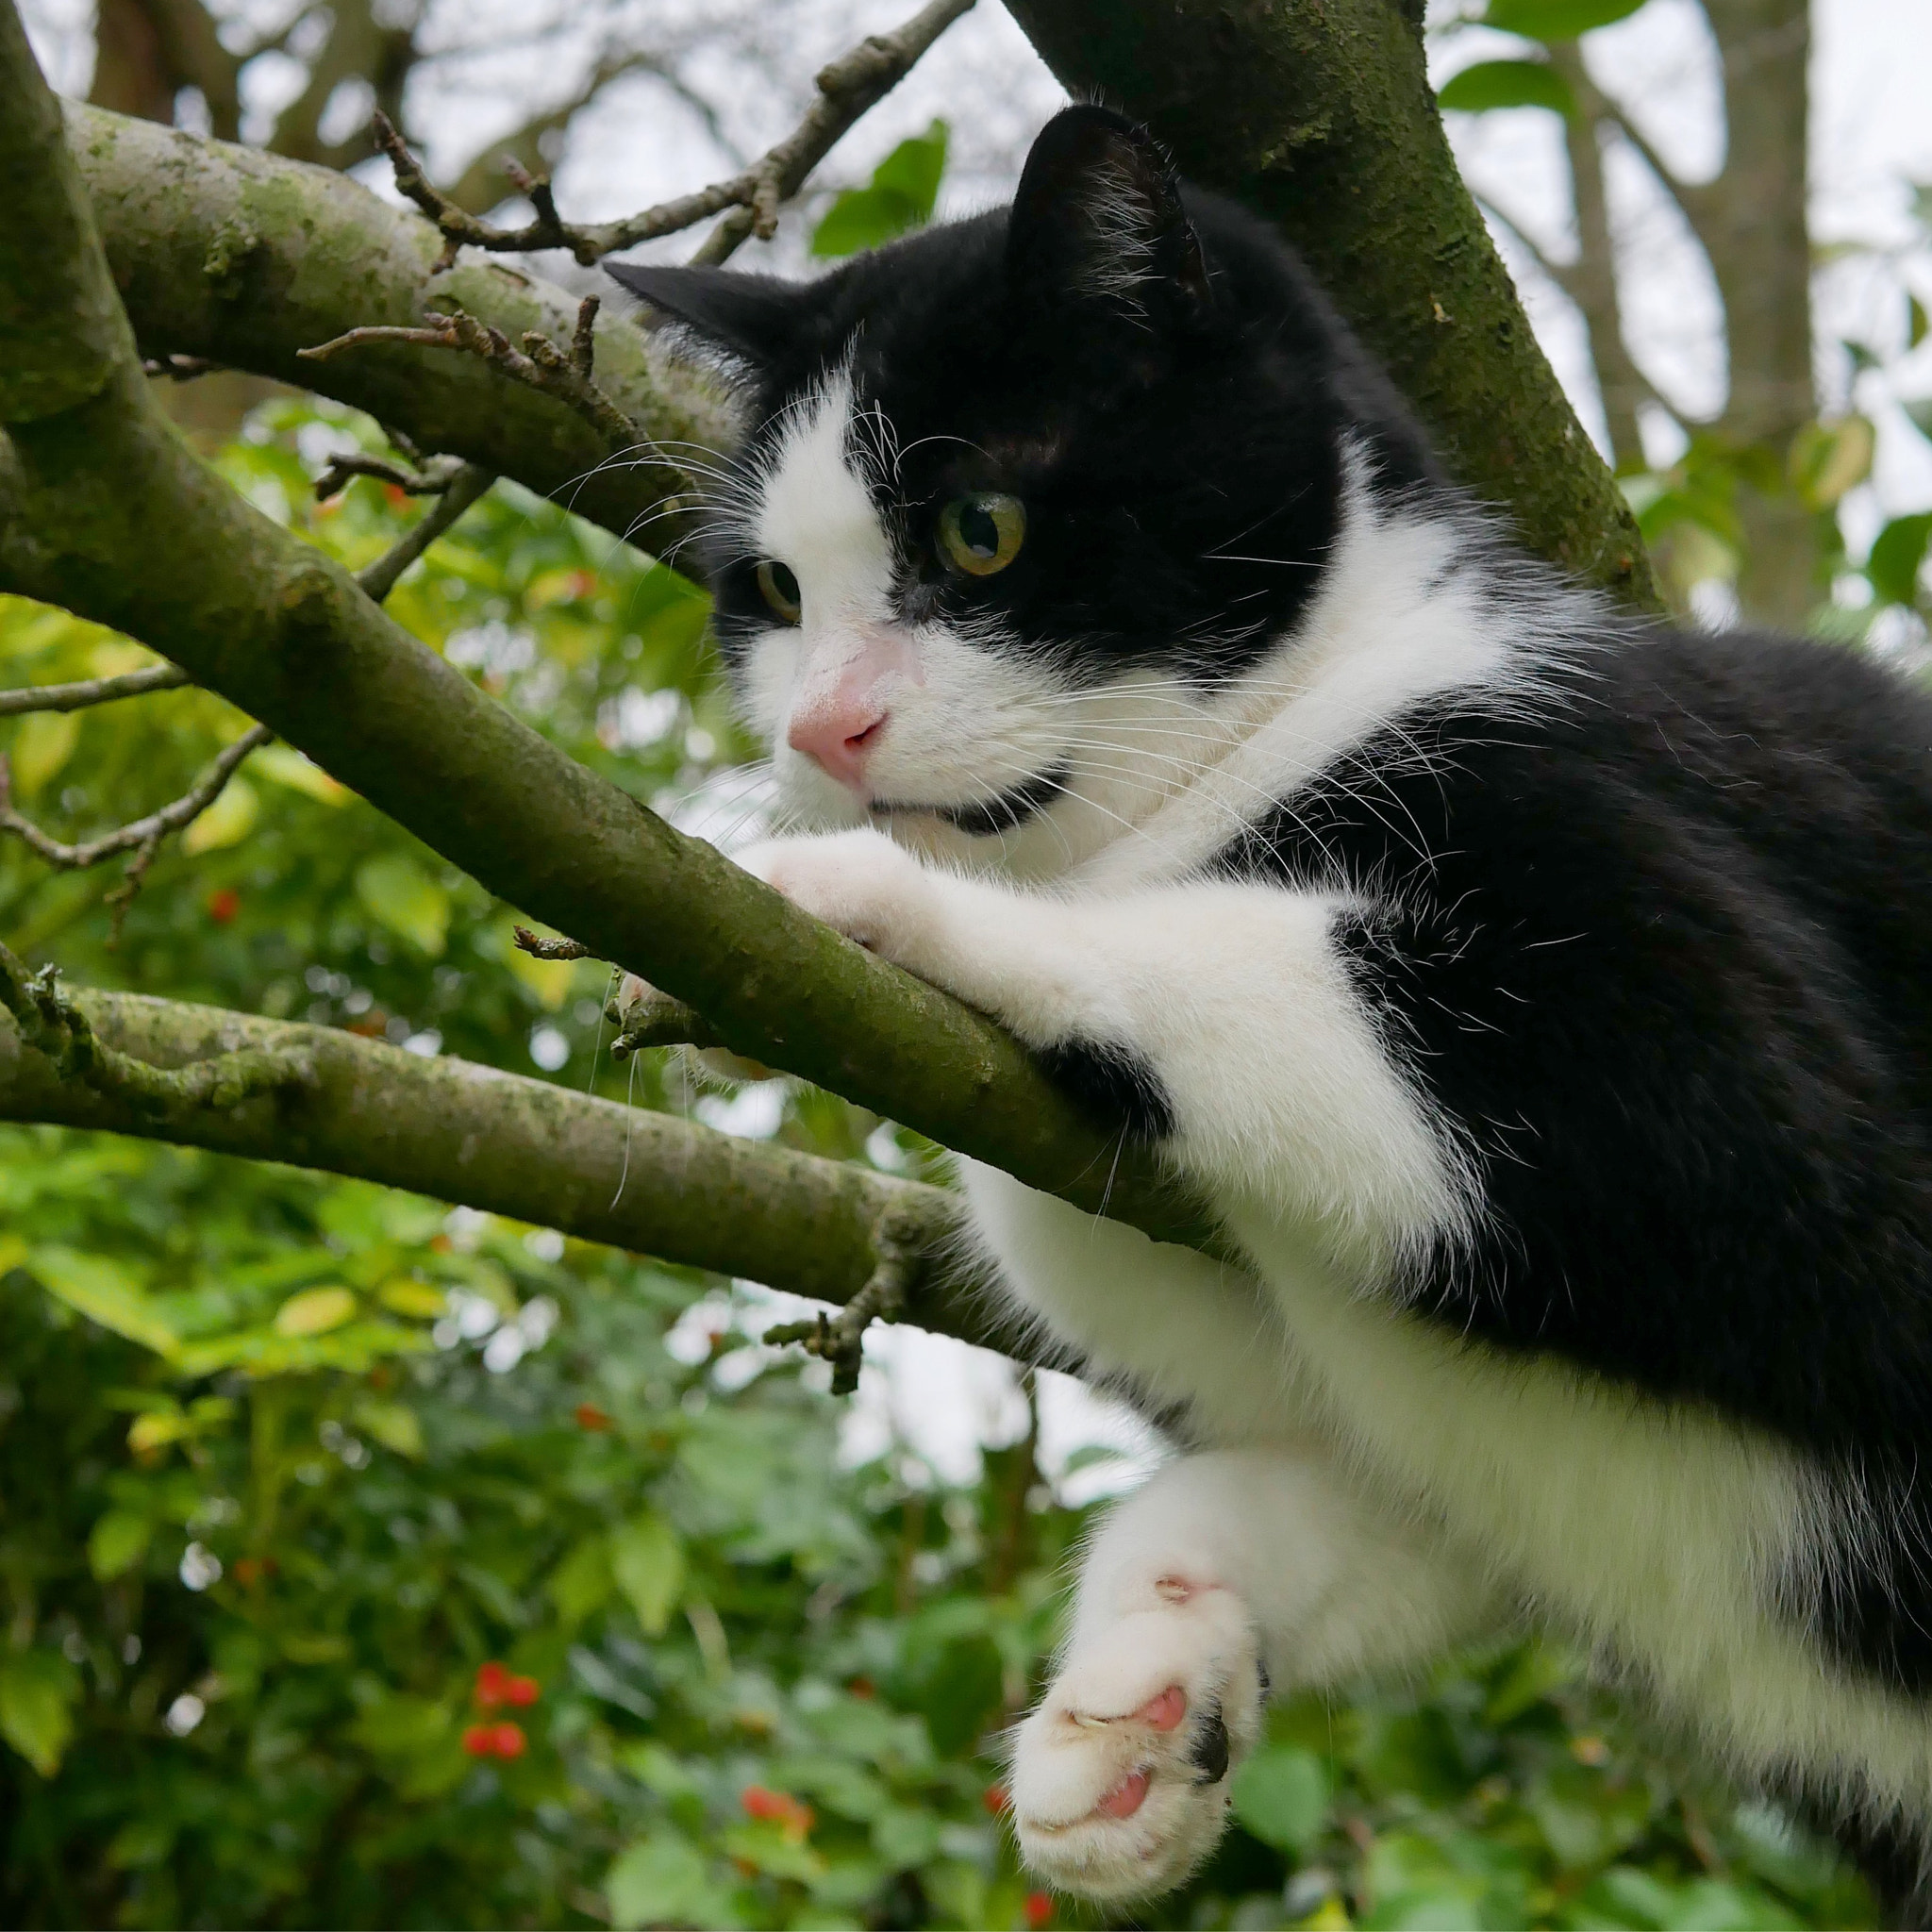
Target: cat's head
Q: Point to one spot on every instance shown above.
(1031, 501)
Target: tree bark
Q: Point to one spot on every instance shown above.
(91, 472)
(1320, 116)
(513, 1146)
(244, 258)
(1591, 284)
(1753, 219)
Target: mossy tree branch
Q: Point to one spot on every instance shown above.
(260, 617)
(1321, 118)
(243, 259)
(325, 1099)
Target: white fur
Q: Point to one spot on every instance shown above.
(1375, 1485)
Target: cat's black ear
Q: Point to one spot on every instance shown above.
(1098, 220)
(757, 318)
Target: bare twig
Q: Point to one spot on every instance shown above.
(143, 836)
(91, 690)
(53, 1026)
(143, 832)
(539, 948)
(540, 364)
(429, 478)
(846, 90)
(467, 486)
(899, 1253)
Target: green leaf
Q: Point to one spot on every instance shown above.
(314, 1311)
(1555, 20)
(1281, 1795)
(394, 1425)
(664, 1881)
(1919, 413)
(226, 822)
(1916, 323)
(1508, 84)
(396, 891)
(647, 1560)
(1898, 555)
(117, 1543)
(582, 1582)
(104, 1293)
(900, 196)
(38, 1691)
(1828, 458)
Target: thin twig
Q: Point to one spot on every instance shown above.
(430, 478)
(846, 90)
(91, 690)
(53, 1026)
(156, 826)
(465, 487)
(899, 1253)
(540, 364)
(539, 948)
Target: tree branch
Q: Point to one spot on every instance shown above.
(846, 90)
(542, 365)
(244, 259)
(144, 834)
(1321, 117)
(468, 486)
(91, 691)
(255, 614)
(60, 1032)
(508, 1145)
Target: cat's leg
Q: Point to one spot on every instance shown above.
(1219, 1017)
(1227, 1573)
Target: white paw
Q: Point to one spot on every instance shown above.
(1120, 1778)
(860, 883)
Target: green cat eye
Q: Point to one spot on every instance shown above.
(981, 534)
(779, 588)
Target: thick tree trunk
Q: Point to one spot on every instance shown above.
(1753, 221)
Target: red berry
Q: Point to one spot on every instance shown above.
(995, 1799)
(758, 1801)
(521, 1691)
(591, 1417)
(222, 905)
(1039, 1909)
(863, 1688)
(479, 1741)
(510, 1741)
(397, 495)
(493, 1680)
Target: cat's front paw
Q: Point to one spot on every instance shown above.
(1120, 1778)
(860, 883)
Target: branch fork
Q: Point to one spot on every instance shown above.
(53, 1026)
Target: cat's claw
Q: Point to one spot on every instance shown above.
(1121, 1776)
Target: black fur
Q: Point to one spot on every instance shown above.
(1661, 954)
(1654, 939)
(1181, 480)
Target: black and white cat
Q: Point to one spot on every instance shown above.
(1538, 997)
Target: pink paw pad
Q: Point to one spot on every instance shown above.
(1164, 1712)
(1126, 1798)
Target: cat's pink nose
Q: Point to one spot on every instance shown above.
(839, 735)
